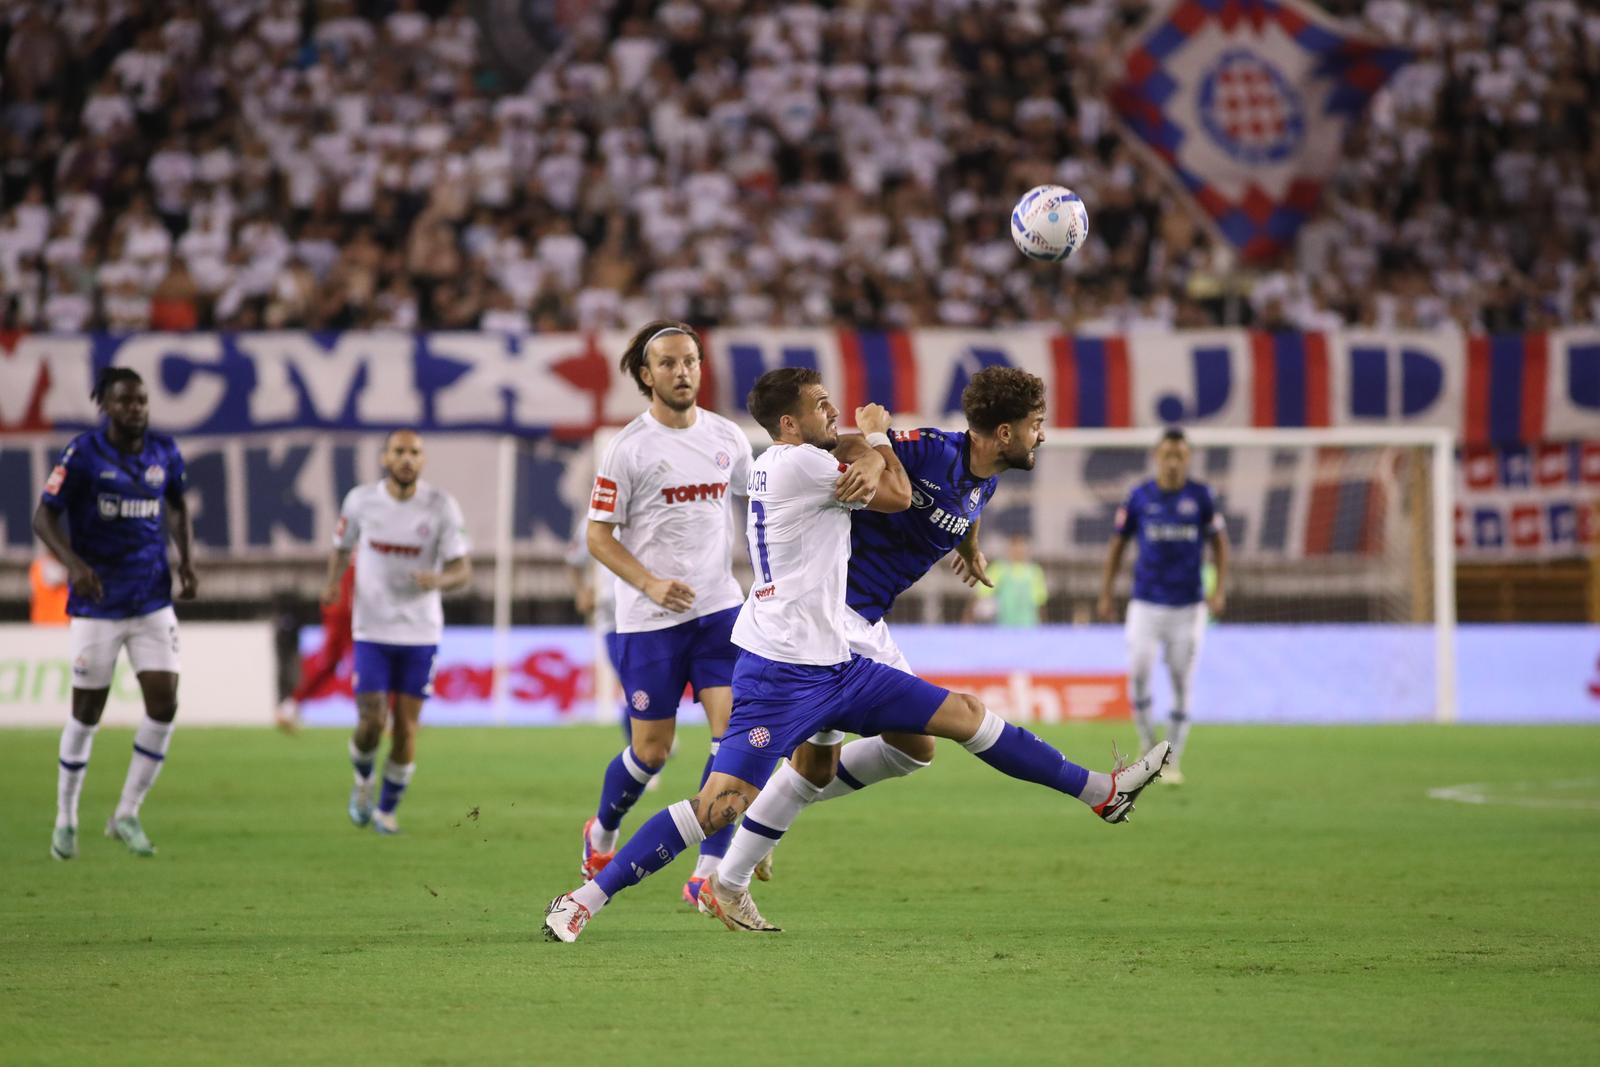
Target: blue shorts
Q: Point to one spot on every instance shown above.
(778, 705)
(403, 669)
(614, 652)
(654, 666)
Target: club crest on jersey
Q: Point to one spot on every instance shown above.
(640, 700)
(1187, 506)
(423, 529)
(155, 476)
(760, 737)
(724, 461)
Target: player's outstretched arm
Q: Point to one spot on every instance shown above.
(615, 557)
(180, 527)
(1108, 575)
(969, 563)
(47, 525)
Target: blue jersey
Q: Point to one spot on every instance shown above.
(889, 553)
(116, 519)
(1172, 529)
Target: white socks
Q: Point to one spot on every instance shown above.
(76, 742)
(149, 752)
(774, 811)
(868, 761)
(1097, 790)
(863, 762)
(989, 731)
(590, 896)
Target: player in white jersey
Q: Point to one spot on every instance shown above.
(796, 674)
(410, 545)
(660, 520)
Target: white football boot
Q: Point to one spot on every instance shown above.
(1127, 782)
(565, 919)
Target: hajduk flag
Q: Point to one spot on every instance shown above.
(1247, 102)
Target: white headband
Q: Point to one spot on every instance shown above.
(664, 330)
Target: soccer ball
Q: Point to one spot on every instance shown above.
(1049, 223)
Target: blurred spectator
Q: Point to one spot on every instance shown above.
(1019, 590)
(781, 164)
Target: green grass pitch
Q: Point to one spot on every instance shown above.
(1301, 900)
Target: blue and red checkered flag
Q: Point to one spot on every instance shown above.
(1247, 103)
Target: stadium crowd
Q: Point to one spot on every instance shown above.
(245, 164)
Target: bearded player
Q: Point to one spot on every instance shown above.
(796, 673)
(410, 544)
(953, 476)
(660, 521)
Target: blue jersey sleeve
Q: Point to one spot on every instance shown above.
(177, 474)
(1127, 521)
(916, 449)
(1211, 520)
(67, 479)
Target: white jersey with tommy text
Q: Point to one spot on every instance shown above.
(800, 548)
(667, 490)
(392, 540)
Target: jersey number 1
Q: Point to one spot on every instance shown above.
(761, 539)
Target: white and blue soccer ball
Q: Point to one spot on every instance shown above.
(1049, 223)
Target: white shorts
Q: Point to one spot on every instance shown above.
(1178, 630)
(873, 641)
(151, 640)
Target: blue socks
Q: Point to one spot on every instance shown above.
(1012, 750)
(625, 780)
(653, 846)
(396, 776)
(363, 762)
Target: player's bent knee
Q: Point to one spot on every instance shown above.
(650, 753)
(970, 708)
(919, 747)
(817, 764)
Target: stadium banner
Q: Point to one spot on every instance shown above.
(1503, 388)
(1518, 503)
(36, 677)
(278, 497)
(1244, 105)
(1247, 674)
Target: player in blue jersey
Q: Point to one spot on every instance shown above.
(796, 673)
(953, 476)
(1174, 518)
(120, 491)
